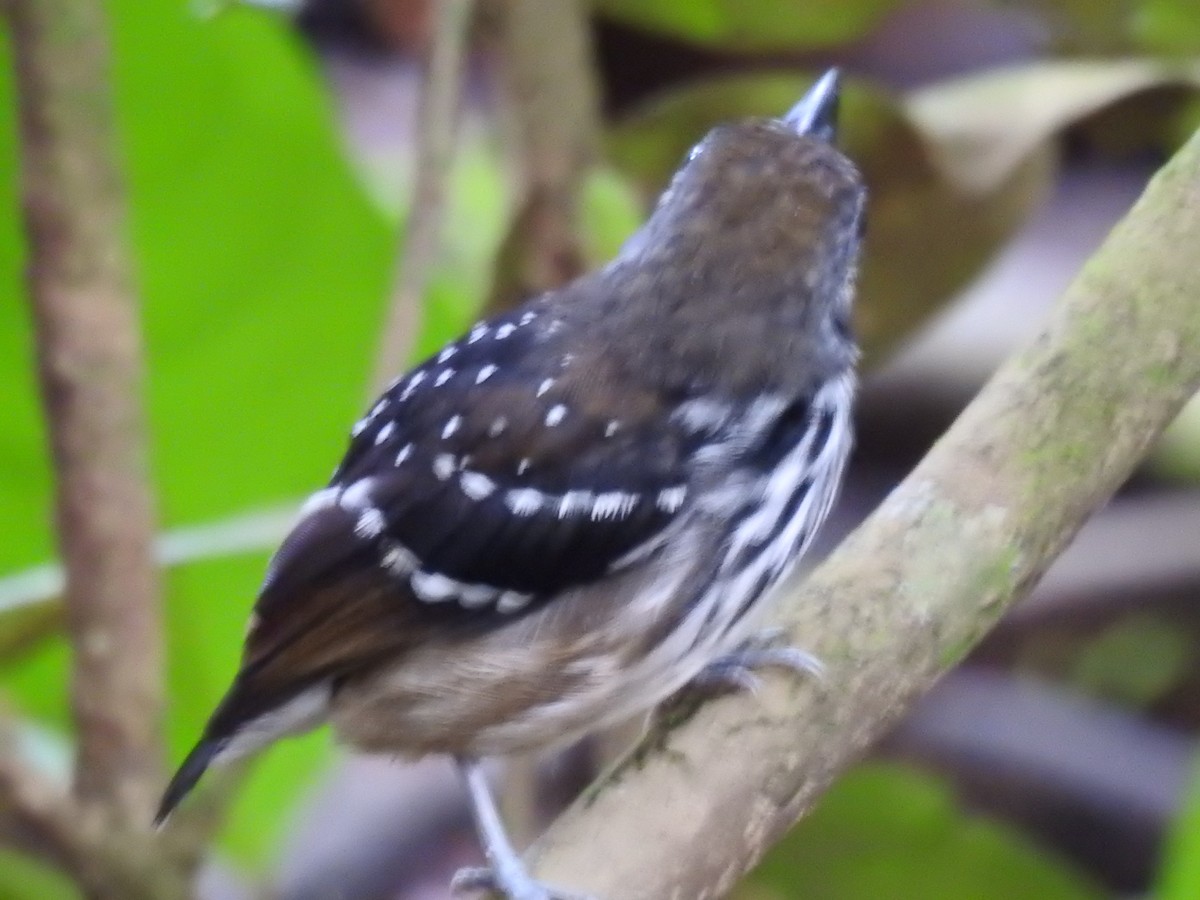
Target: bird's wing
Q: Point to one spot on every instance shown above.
(480, 487)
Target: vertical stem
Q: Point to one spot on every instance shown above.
(549, 80)
(90, 367)
(437, 116)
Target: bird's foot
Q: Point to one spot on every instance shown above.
(511, 882)
(736, 671)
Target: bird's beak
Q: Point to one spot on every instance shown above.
(816, 114)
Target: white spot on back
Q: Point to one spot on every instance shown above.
(476, 485)
(320, 500)
(448, 351)
(433, 587)
(614, 505)
(512, 601)
(444, 466)
(505, 330)
(554, 327)
(384, 433)
(485, 373)
(378, 408)
(524, 501)
(417, 377)
(359, 427)
(567, 359)
(443, 376)
(477, 333)
(573, 502)
(358, 495)
(399, 560)
(670, 499)
(527, 317)
(556, 414)
(473, 596)
(523, 466)
(498, 426)
(452, 425)
(545, 386)
(370, 523)
(405, 453)
(611, 428)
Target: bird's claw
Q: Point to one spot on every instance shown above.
(736, 671)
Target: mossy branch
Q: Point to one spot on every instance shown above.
(1048, 440)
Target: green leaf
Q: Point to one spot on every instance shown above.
(24, 878)
(757, 25)
(1178, 452)
(983, 127)
(1167, 26)
(1135, 661)
(885, 831)
(1179, 875)
(262, 267)
(611, 212)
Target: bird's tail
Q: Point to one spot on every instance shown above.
(244, 722)
(181, 784)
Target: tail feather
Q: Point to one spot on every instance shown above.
(245, 722)
(196, 763)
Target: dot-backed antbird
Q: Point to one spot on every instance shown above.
(578, 507)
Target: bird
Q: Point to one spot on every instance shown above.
(584, 504)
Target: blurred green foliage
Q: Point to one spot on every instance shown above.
(1087, 27)
(1135, 661)
(1082, 27)
(759, 26)
(1166, 26)
(1179, 876)
(21, 876)
(886, 831)
(262, 267)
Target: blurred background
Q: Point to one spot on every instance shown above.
(270, 162)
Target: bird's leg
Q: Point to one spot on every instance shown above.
(504, 874)
(736, 670)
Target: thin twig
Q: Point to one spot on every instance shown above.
(109, 861)
(437, 117)
(89, 357)
(551, 104)
(40, 816)
(904, 598)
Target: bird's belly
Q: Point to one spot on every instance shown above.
(497, 700)
(599, 657)
(584, 663)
